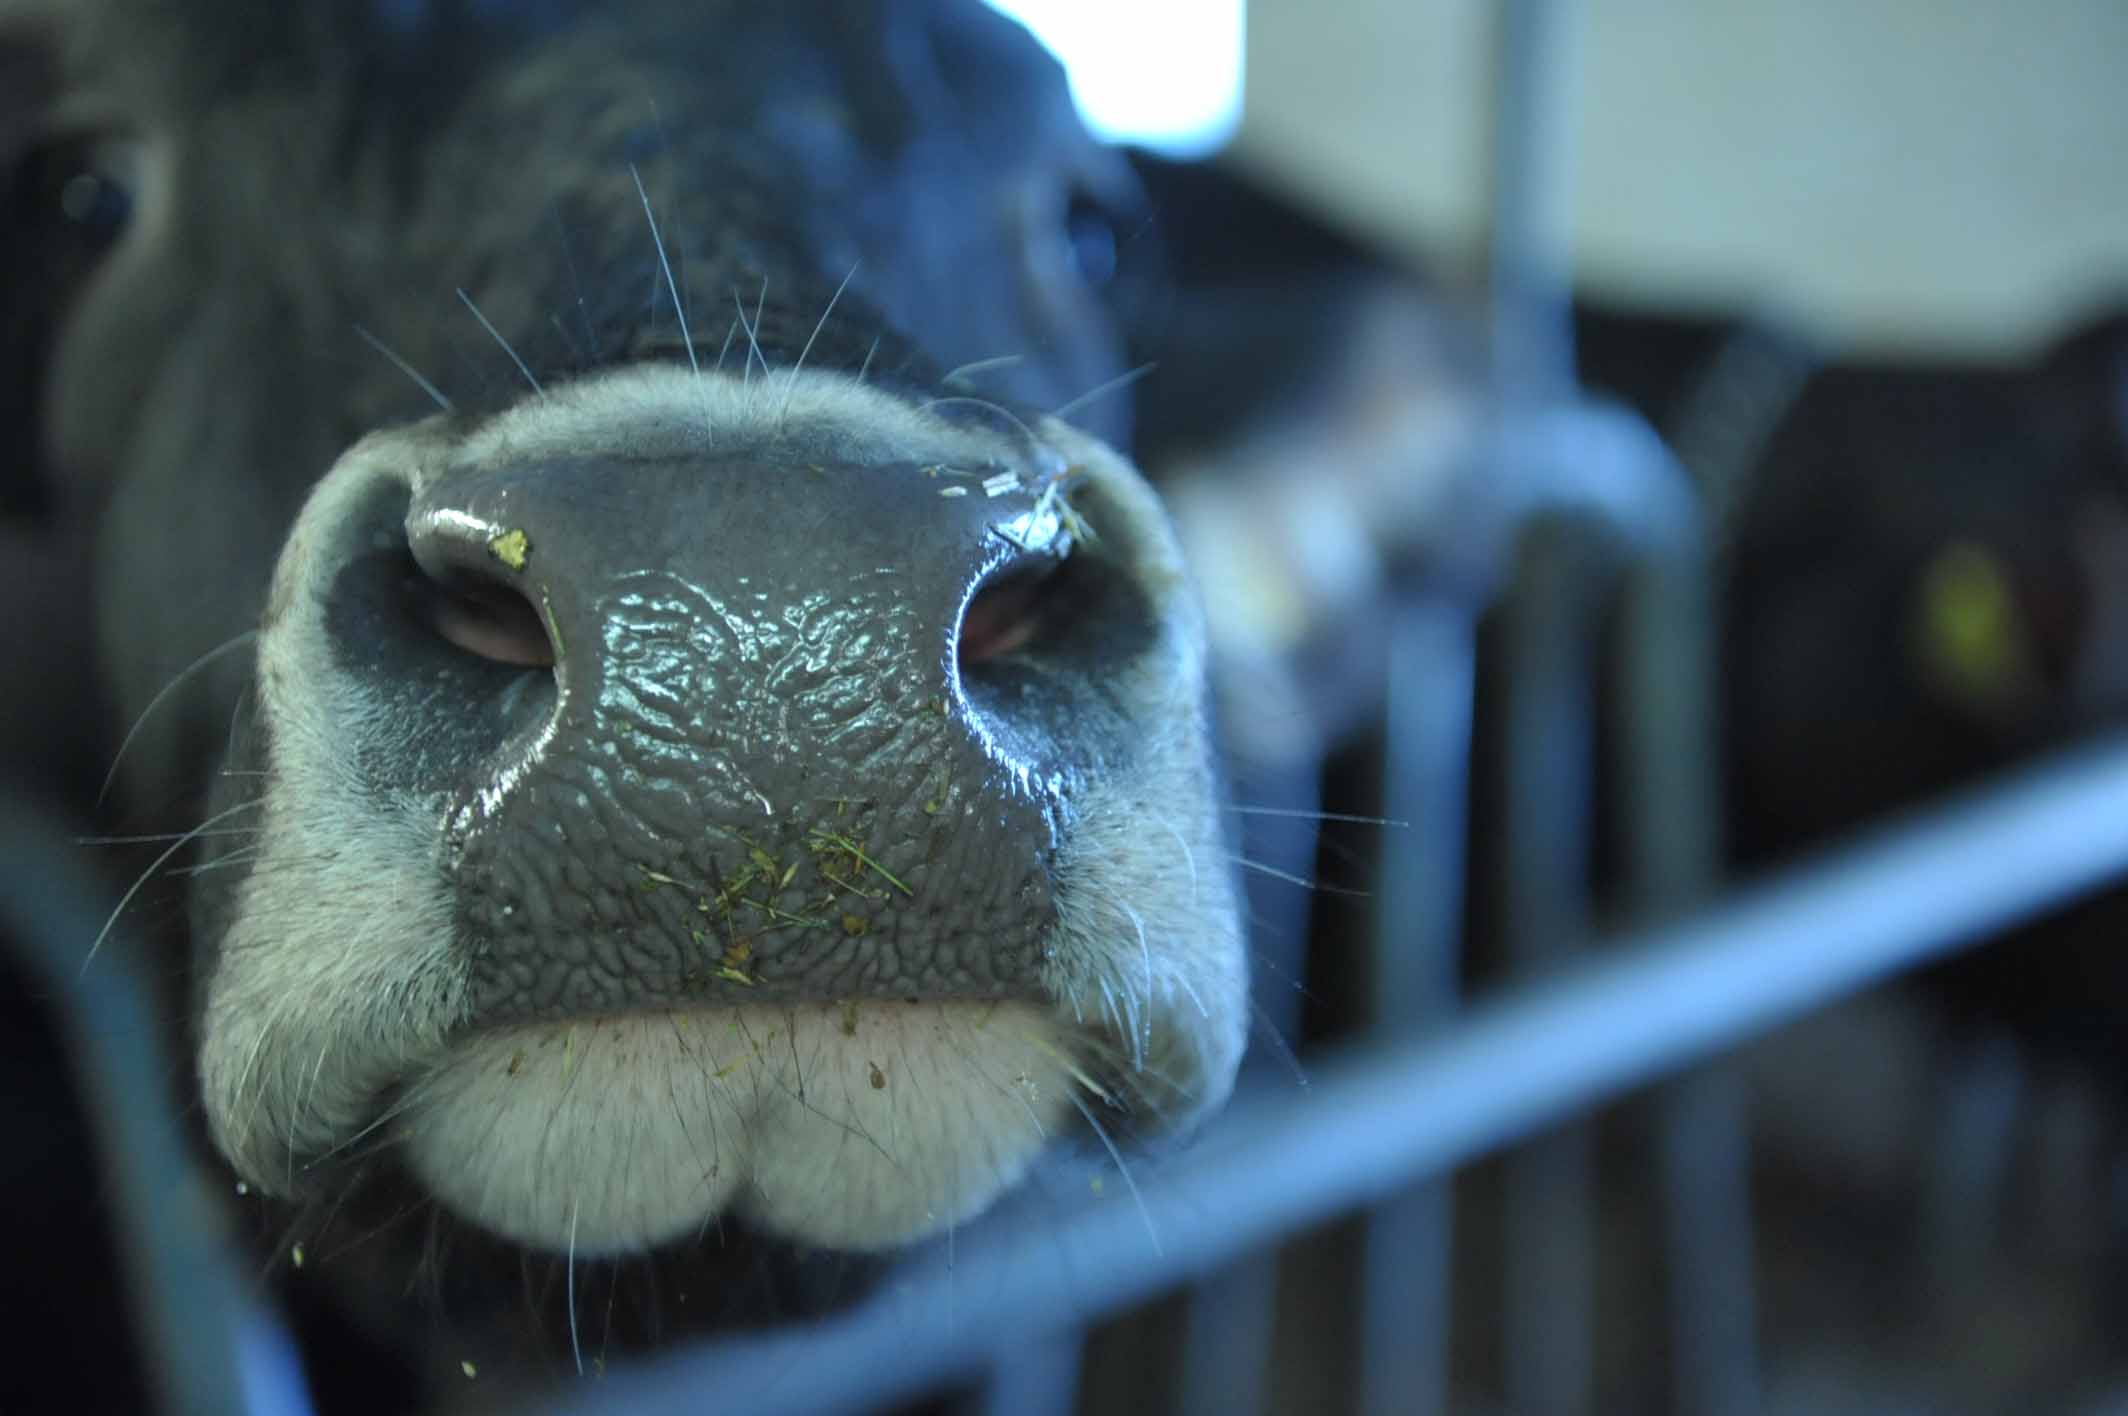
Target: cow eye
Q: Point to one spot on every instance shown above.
(1090, 240)
(66, 202)
(76, 190)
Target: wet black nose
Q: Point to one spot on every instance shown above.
(797, 743)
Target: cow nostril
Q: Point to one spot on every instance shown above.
(1041, 652)
(1008, 614)
(492, 623)
(470, 591)
(1082, 616)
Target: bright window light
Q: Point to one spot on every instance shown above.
(1163, 74)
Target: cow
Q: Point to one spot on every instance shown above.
(607, 538)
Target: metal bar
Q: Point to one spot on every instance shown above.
(1549, 1266)
(1376, 1118)
(1231, 1325)
(1983, 1091)
(1671, 810)
(1038, 1378)
(1529, 281)
(1228, 1334)
(206, 1349)
(1703, 1142)
(1550, 1261)
(1417, 948)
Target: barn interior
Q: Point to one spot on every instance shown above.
(1659, 473)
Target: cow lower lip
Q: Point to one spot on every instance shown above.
(620, 1133)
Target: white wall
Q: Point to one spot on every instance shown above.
(1944, 173)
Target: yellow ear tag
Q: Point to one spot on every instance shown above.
(1971, 637)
